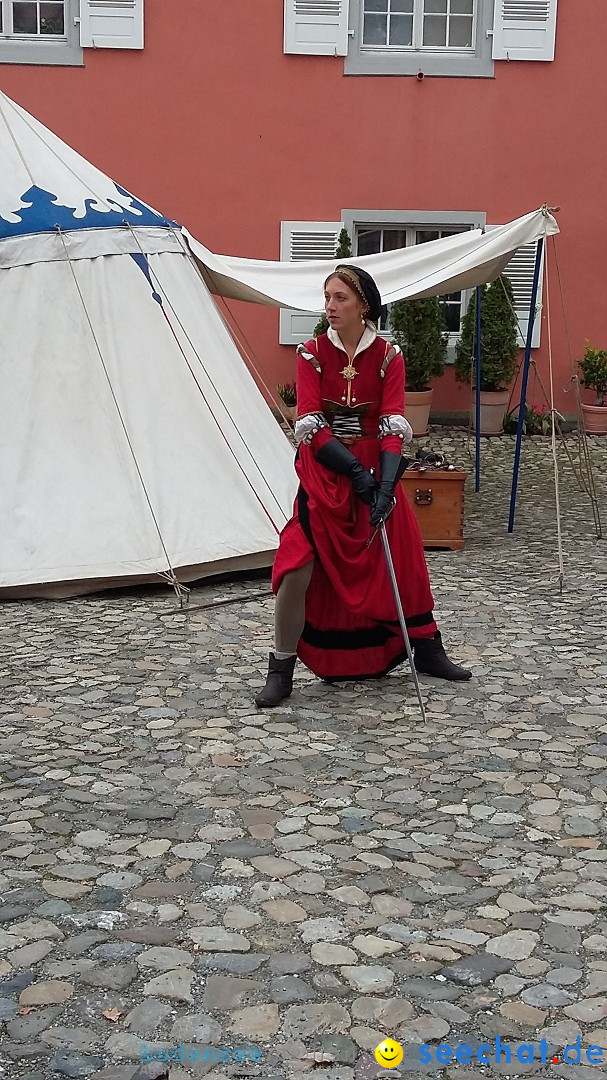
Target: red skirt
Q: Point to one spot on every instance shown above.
(351, 629)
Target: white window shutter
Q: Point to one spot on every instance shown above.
(301, 241)
(316, 27)
(111, 24)
(524, 29)
(520, 272)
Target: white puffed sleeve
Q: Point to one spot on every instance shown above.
(395, 425)
(307, 426)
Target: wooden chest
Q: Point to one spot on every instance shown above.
(437, 498)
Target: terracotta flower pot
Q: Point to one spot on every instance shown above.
(417, 410)
(493, 408)
(595, 419)
(289, 411)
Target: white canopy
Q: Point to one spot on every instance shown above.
(441, 266)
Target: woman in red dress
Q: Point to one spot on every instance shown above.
(334, 603)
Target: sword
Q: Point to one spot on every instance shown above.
(401, 614)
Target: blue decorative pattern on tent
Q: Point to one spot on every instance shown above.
(42, 214)
(143, 264)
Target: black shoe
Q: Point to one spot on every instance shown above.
(431, 659)
(279, 683)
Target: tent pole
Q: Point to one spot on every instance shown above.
(526, 365)
(477, 402)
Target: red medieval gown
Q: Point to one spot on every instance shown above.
(351, 626)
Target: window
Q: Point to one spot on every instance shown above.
(420, 24)
(370, 241)
(39, 32)
(404, 37)
(436, 37)
(33, 18)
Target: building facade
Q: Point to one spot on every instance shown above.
(264, 127)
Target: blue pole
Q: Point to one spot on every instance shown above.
(477, 404)
(526, 365)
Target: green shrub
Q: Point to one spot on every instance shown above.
(288, 393)
(536, 421)
(594, 372)
(418, 327)
(499, 338)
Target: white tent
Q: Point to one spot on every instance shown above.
(133, 440)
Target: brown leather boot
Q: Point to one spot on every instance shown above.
(431, 659)
(279, 683)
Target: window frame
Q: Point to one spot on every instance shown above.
(42, 48)
(419, 16)
(474, 62)
(414, 220)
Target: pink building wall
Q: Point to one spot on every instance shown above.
(215, 126)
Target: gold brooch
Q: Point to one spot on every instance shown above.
(349, 373)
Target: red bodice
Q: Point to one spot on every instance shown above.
(370, 387)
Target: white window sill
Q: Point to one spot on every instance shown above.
(30, 50)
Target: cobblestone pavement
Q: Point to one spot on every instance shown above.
(179, 869)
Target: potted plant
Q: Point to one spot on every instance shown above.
(499, 351)
(342, 251)
(594, 376)
(418, 327)
(287, 393)
(536, 421)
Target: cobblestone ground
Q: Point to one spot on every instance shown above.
(178, 869)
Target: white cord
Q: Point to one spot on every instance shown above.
(553, 433)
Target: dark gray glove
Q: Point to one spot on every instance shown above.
(335, 456)
(391, 468)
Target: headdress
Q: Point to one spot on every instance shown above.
(365, 286)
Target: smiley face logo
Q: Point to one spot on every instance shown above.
(389, 1054)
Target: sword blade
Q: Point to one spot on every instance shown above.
(401, 615)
